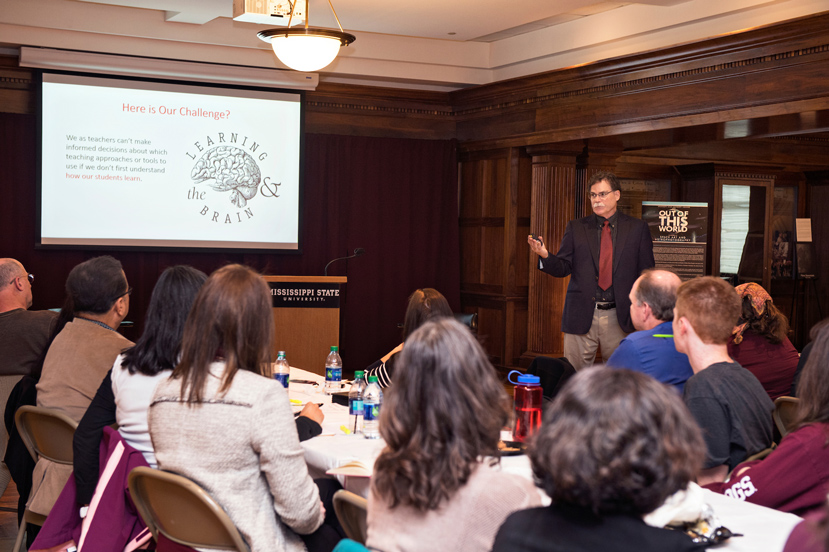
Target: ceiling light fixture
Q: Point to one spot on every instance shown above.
(308, 48)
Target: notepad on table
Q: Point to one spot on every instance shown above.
(354, 468)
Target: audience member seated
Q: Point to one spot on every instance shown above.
(728, 402)
(804, 358)
(651, 349)
(794, 477)
(24, 334)
(124, 396)
(24, 337)
(434, 486)
(759, 343)
(97, 300)
(222, 421)
(612, 448)
(811, 534)
(424, 304)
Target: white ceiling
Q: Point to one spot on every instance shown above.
(427, 44)
(476, 20)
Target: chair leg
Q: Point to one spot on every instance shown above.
(21, 537)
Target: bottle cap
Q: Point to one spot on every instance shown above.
(529, 379)
(333, 348)
(280, 354)
(372, 379)
(359, 373)
(523, 379)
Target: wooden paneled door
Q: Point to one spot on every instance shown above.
(494, 204)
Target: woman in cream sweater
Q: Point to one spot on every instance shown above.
(221, 422)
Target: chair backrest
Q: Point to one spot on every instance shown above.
(553, 372)
(351, 510)
(470, 320)
(46, 432)
(7, 383)
(785, 411)
(182, 511)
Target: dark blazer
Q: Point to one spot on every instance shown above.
(578, 257)
(561, 529)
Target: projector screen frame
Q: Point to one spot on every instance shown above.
(38, 81)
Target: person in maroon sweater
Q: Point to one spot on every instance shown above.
(759, 343)
(811, 534)
(795, 476)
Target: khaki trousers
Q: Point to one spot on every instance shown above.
(604, 332)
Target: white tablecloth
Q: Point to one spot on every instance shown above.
(334, 447)
(764, 529)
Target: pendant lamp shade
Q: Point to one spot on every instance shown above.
(306, 49)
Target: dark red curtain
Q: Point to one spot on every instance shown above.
(397, 198)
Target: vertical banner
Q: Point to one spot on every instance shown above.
(680, 235)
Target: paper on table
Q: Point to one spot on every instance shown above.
(354, 468)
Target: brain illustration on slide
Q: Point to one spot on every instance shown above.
(231, 169)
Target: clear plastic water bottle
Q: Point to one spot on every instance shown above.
(372, 401)
(355, 402)
(281, 369)
(333, 371)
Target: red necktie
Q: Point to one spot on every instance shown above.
(606, 258)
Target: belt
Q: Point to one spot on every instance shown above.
(605, 306)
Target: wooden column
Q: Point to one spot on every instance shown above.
(494, 222)
(553, 203)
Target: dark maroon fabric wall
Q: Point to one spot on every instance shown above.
(396, 198)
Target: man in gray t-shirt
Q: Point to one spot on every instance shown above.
(734, 411)
(727, 401)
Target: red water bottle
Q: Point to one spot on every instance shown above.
(528, 398)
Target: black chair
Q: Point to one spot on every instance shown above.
(553, 373)
(470, 320)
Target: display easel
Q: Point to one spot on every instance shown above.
(306, 315)
(804, 271)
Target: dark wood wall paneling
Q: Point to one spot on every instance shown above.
(651, 117)
(494, 222)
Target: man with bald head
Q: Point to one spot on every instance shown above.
(24, 334)
(651, 348)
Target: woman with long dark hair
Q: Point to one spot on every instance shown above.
(760, 343)
(434, 486)
(124, 395)
(221, 421)
(424, 305)
(795, 476)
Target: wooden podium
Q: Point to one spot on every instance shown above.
(306, 315)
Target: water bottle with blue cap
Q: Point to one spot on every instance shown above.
(528, 397)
